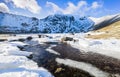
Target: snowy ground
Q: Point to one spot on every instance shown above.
(14, 63)
(109, 47)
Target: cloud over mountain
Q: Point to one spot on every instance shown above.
(3, 7)
(81, 8)
(30, 5)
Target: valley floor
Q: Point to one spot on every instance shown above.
(58, 55)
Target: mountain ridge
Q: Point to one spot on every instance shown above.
(10, 23)
(58, 23)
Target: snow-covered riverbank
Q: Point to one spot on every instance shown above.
(14, 62)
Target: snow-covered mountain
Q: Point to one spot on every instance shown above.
(105, 20)
(10, 23)
(16, 23)
(65, 24)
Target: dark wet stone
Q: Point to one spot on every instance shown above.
(29, 38)
(30, 57)
(67, 39)
(39, 36)
(52, 43)
(3, 40)
(21, 48)
(21, 40)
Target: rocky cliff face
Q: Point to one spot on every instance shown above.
(10, 23)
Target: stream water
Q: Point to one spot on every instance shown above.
(47, 60)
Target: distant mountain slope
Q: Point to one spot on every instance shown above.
(16, 23)
(105, 21)
(110, 31)
(10, 23)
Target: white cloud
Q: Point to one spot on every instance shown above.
(81, 8)
(54, 7)
(73, 8)
(30, 5)
(95, 5)
(3, 7)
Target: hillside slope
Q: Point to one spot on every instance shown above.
(105, 21)
(110, 31)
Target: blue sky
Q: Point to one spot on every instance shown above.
(43, 8)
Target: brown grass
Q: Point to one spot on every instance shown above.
(110, 31)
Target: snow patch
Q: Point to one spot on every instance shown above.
(49, 49)
(14, 63)
(84, 66)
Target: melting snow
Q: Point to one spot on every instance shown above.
(84, 66)
(13, 62)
